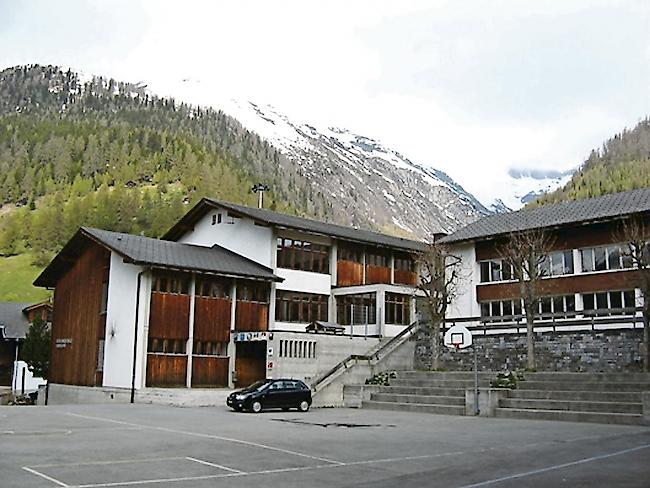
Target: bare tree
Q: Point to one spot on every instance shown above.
(635, 235)
(526, 252)
(438, 274)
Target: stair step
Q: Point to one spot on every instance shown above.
(584, 386)
(438, 383)
(605, 377)
(415, 407)
(602, 396)
(445, 375)
(569, 405)
(420, 390)
(570, 416)
(422, 399)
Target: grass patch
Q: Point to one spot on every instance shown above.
(16, 277)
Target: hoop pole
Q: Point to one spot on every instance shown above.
(476, 391)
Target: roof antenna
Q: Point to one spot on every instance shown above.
(260, 188)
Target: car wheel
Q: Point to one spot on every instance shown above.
(304, 406)
(256, 407)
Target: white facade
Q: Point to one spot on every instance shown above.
(120, 323)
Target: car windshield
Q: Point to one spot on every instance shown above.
(257, 386)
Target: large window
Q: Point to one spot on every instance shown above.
(350, 253)
(604, 258)
(378, 258)
(303, 255)
(500, 310)
(210, 348)
(562, 306)
(300, 307)
(557, 264)
(609, 303)
(357, 309)
(398, 309)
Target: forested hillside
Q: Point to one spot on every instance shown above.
(623, 163)
(108, 154)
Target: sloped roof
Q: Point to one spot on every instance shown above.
(292, 222)
(13, 322)
(603, 208)
(147, 251)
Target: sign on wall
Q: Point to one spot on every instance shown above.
(252, 336)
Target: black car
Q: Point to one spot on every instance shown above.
(264, 394)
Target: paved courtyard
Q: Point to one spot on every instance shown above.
(149, 445)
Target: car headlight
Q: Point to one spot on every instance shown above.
(240, 397)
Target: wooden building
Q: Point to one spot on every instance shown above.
(225, 298)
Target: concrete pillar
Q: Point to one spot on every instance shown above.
(231, 343)
(190, 336)
(334, 251)
(363, 263)
(392, 269)
(381, 314)
(145, 308)
(488, 400)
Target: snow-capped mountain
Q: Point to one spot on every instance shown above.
(524, 186)
(366, 182)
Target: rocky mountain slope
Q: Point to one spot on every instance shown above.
(362, 178)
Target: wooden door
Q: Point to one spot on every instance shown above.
(250, 362)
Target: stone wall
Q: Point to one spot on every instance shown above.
(607, 351)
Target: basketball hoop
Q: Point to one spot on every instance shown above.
(458, 337)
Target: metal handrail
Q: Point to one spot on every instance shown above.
(363, 357)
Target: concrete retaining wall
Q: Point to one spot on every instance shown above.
(583, 351)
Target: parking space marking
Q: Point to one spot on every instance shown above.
(48, 478)
(98, 463)
(557, 466)
(208, 436)
(225, 468)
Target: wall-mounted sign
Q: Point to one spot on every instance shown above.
(269, 352)
(61, 343)
(253, 336)
(269, 365)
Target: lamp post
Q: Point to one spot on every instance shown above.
(260, 188)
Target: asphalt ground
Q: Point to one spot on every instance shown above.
(157, 446)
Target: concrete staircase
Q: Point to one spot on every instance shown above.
(613, 398)
(429, 392)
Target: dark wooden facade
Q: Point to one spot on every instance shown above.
(349, 273)
(377, 275)
(78, 323)
(166, 370)
(251, 316)
(209, 371)
(581, 283)
(405, 277)
(212, 319)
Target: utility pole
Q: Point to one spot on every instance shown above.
(260, 188)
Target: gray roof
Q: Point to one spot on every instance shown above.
(589, 210)
(13, 322)
(148, 251)
(292, 222)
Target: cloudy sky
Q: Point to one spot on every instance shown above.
(470, 87)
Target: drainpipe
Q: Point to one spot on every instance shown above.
(135, 337)
(14, 377)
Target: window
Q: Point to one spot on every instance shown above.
(398, 309)
(558, 263)
(350, 253)
(209, 287)
(302, 255)
(210, 348)
(496, 270)
(300, 307)
(500, 310)
(550, 308)
(376, 257)
(167, 346)
(357, 309)
(609, 303)
(403, 263)
(604, 258)
(253, 292)
(177, 283)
